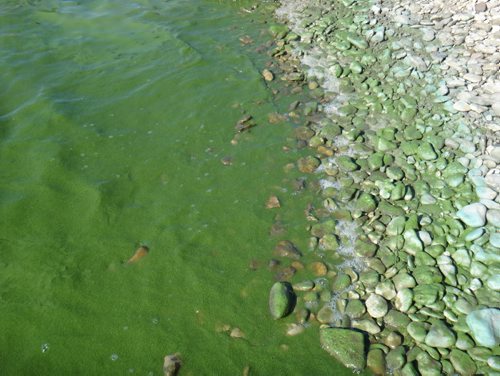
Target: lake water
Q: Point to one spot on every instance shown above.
(114, 118)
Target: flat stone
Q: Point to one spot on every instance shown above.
(493, 217)
(485, 326)
(417, 330)
(473, 215)
(461, 106)
(495, 239)
(376, 361)
(345, 345)
(440, 336)
(462, 363)
(404, 300)
(426, 151)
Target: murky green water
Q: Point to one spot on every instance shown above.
(114, 118)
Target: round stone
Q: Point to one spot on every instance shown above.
(376, 305)
(493, 217)
(440, 336)
(485, 326)
(473, 215)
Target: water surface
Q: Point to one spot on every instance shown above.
(114, 117)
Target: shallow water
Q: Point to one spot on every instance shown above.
(114, 118)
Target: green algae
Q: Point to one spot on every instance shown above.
(114, 119)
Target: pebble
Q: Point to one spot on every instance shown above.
(268, 75)
(493, 217)
(462, 363)
(440, 335)
(473, 215)
(376, 306)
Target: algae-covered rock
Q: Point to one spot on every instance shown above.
(440, 336)
(462, 363)
(376, 361)
(366, 203)
(346, 345)
(376, 305)
(281, 300)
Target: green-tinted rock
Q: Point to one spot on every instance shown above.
(341, 282)
(308, 164)
(390, 210)
(404, 300)
(424, 295)
(281, 300)
(464, 342)
(440, 335)
(346, 163)
(326, 314)
(397, 320)
(396, 359)
(428, 366)
(426, 151)
(427, 274)
(355, 309)
(376, 161)
(409, 370)
(347, 346)
(403, 280)
(376, 361)
(462, 363)
(329, 242)
(365, 248)
(369, 278)
(396, 226)
(366, 203)
(413, 244)
(417, 330)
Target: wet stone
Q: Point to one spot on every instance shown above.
(440, 335)
(426, 151)
(376, 306)
(462, 363)
(341, 282)
(417, 330)
(404, 299)
(366, 325)
(366, 203)
(308, 164)
(326, 315)
(286, 248)
(345, 345)
(376, 361)
(396, 358)
(346, 163)
(281, 300)
(428, 366)
(355, 309)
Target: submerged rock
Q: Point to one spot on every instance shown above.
(282, 300)
(346, 345)
(171, 365)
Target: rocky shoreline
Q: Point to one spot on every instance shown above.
(405, 147)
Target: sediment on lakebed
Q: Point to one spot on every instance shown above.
(405, 146)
